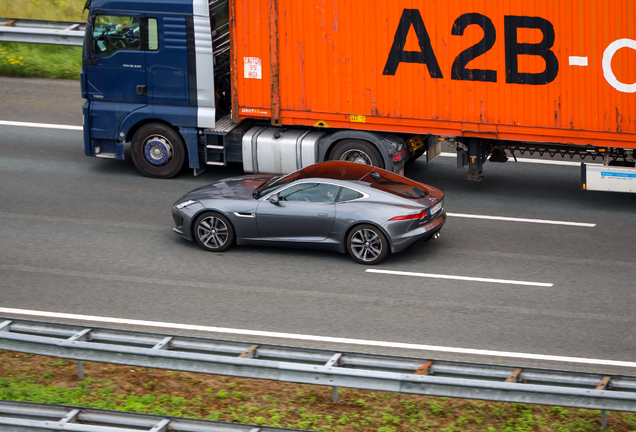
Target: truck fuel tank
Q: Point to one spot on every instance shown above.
(271, 150)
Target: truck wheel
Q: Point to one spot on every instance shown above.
(157, 151)
(352, 150)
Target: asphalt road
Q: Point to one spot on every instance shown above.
(89, 236)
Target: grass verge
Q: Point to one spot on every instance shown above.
(50, 380)
(42, 61)
(51, 10)
(37, 60)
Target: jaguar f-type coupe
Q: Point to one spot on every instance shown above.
(341, 206)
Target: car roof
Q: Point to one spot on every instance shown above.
(366, 176)
(339, 170)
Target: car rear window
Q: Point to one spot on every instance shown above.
(397, 185)
(347, 194)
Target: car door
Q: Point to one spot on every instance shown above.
(304, 212)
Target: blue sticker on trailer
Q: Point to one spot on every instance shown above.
(616, 174)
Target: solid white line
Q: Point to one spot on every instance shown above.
(398, 345)
(462, 278)
(534, 161)
(511, 219)
(41, 125)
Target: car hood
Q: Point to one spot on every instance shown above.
(232, 188)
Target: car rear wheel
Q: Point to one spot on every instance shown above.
(157, 151)
(213, 232)
(367, 244)
(358, 151)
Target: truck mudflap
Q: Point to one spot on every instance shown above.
(608, 178)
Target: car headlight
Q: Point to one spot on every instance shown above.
(184, 204)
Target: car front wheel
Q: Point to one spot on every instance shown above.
(367, 244)
(213, 232)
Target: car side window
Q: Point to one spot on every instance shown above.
(115, 33)
(310, 192)
(347, 194)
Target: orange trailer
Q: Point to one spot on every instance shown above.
(509, 73)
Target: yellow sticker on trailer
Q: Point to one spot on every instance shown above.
(357, 118)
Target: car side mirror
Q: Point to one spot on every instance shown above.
(274, 199)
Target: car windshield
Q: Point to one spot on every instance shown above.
(275, 183)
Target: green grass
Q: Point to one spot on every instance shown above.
(37, 60)
(279, 404)
(52, 10)
(43, 61)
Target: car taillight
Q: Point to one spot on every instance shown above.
(420, 215)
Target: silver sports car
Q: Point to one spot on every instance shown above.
(338, 206)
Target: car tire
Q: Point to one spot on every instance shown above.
(358, 151)
(213, 232)
(367, 244)
(157, 151)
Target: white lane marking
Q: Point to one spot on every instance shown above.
(399, 345)
(462, 278)
(511, 219)
(534, 161)
(40, 125)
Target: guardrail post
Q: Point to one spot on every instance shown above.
(334, 361)
(606, 383)
(603, 419)
(81, 336)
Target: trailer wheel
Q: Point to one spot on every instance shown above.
(158, 151)
(352, 150)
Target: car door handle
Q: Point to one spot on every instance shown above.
(142, 90)
(323, 214)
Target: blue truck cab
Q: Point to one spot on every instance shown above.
(156, 75)
(149, 65)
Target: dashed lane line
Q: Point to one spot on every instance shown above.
(513, 219)
(40, 125)
(461, 278)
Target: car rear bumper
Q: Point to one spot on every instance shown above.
(407, 239)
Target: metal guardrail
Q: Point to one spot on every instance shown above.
(322, 367)
(44, 32)
(25, 416)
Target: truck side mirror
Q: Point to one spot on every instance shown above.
(89, 60)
